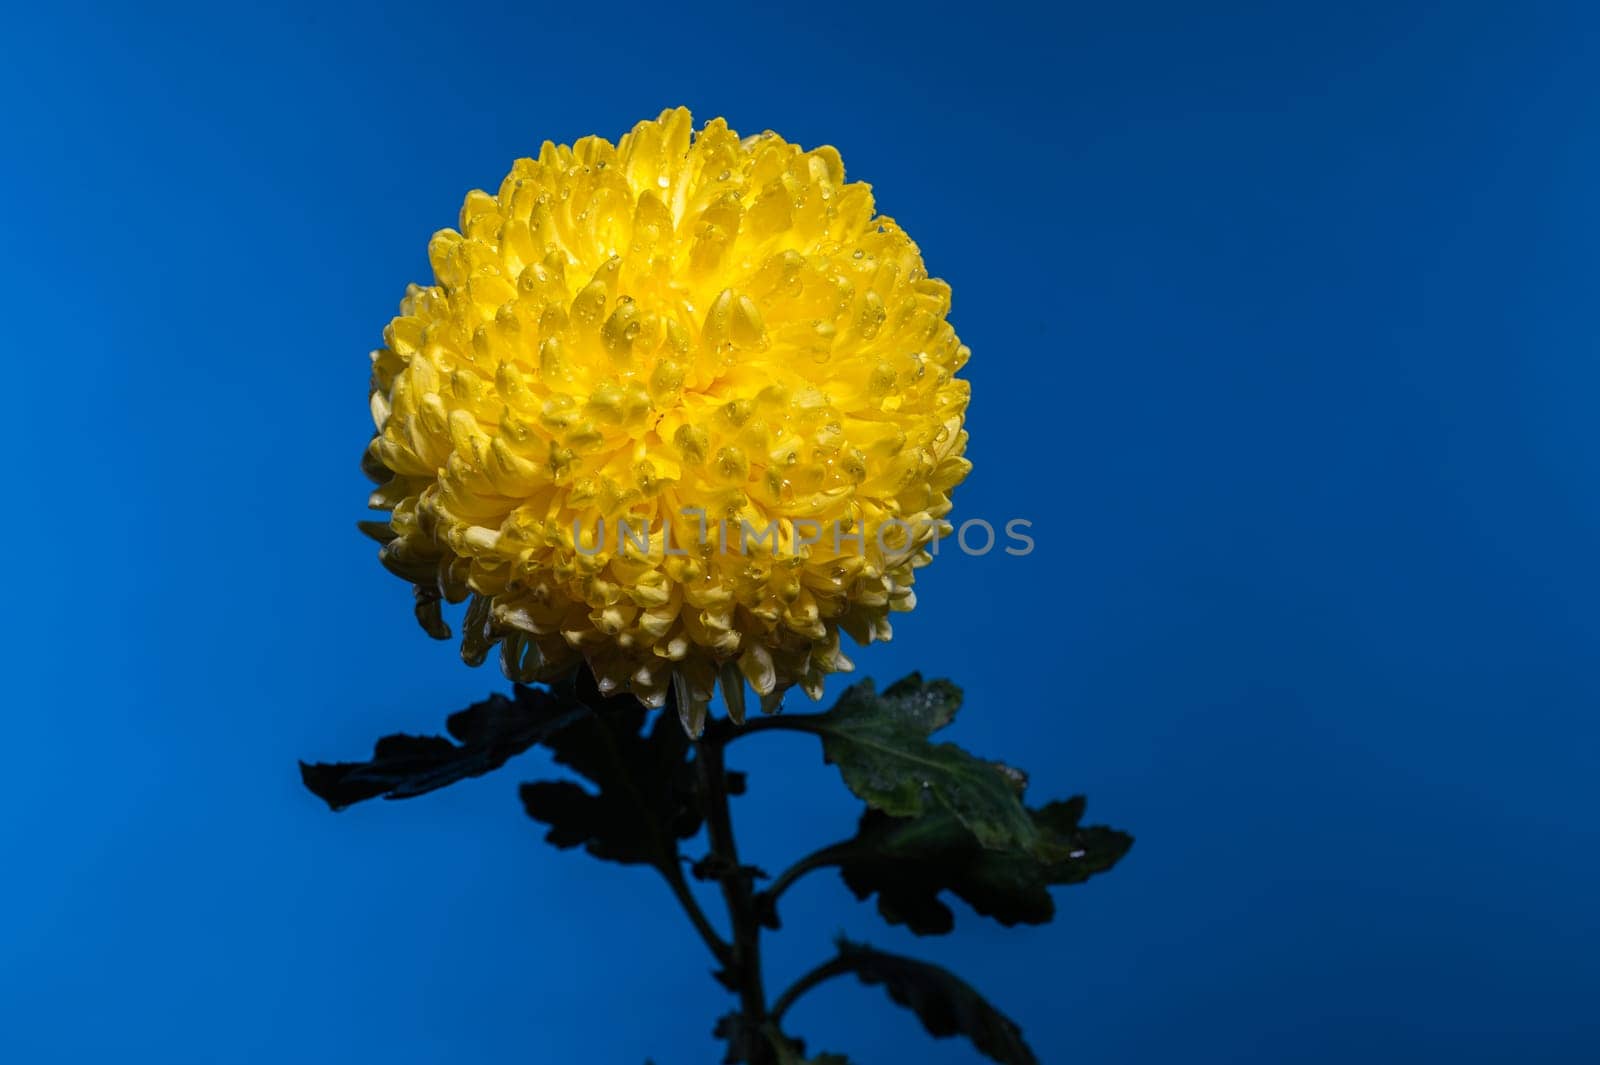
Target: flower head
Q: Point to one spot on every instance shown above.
(630, 356)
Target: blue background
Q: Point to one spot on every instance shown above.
(1285, 338)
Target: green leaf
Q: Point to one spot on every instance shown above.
(880, 744)
(489, 733)
(644, 799)
(908, 862)
(945, 1004)
(644, 795)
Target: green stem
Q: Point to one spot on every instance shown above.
(745, 969)
(719, 947)
(768, 723)
(826, 971)
(830, 855)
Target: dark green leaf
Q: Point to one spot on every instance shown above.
(643, 802)
(880, 744)
(643, 795)
(908, 862)
(488, 734)
(946, 1004)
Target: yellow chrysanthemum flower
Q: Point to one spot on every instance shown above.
(694, 335)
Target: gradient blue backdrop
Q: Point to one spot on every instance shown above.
(1285, 338)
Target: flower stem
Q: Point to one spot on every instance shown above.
(745, 970)
(826, 971)
(830, 855)
(770, 723)
(680, 889)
